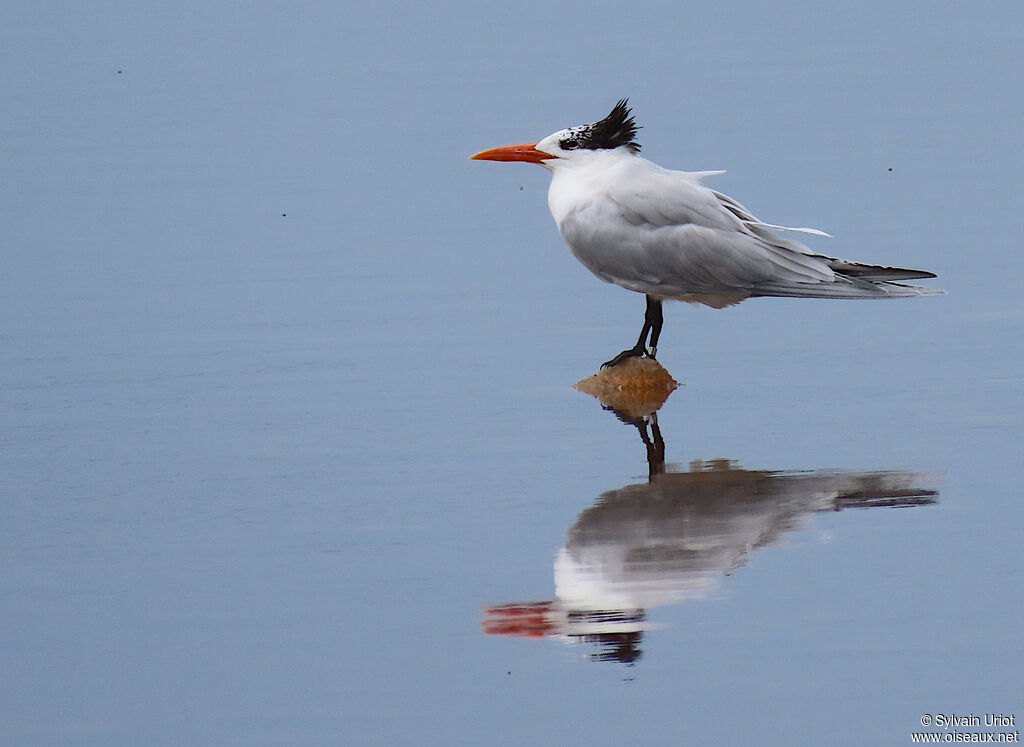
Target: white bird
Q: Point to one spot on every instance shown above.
(664, 234)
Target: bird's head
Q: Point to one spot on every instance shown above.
(616, 131)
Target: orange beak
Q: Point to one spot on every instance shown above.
(521, 152)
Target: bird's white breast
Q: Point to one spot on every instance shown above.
(625, 218)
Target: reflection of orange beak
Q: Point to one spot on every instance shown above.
(521, 152)
(527, 620)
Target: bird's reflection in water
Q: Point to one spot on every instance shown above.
(675, 537)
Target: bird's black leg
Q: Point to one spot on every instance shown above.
(655, 318)
(652, 324)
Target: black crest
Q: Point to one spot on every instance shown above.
(615, 130)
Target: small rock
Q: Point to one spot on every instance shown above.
(636, 387)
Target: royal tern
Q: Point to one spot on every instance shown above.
(664, 234)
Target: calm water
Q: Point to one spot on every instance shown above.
(290, 448)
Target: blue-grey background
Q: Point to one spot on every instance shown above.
(286, 379)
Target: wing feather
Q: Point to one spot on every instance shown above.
(665, 234)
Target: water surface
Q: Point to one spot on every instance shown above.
(287, 381)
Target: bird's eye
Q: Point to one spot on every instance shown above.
(569, 143)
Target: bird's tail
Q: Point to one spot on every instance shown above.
(853, 280)
(844, 287)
